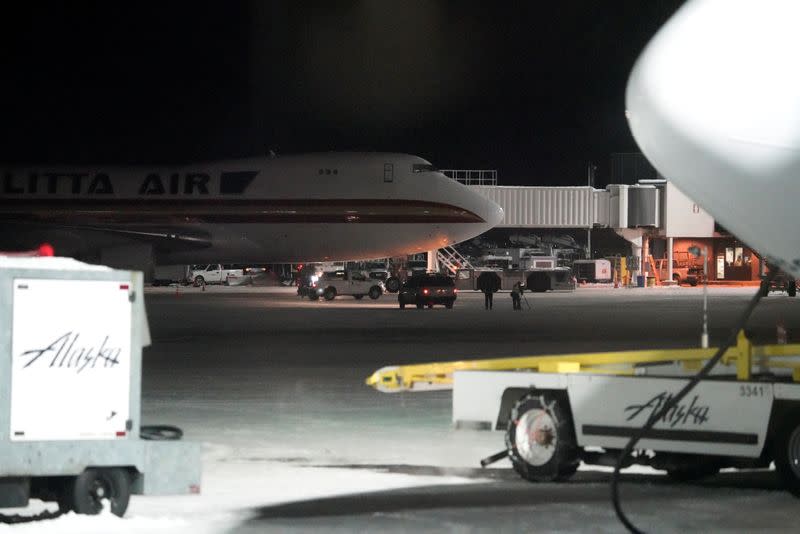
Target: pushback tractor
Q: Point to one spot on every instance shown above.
(71, 343)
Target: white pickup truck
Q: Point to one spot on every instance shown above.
(352, 283)
(213, 274)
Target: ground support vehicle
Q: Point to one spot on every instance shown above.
(428, 290)
(467, 279)
(353, 283)
(416, 268)
(555, 279)
(592, 271)
(71, 338)
(780, 282)
(686, 269)
(164, 275)
(539, 279)
(557, 411)
(682, 273)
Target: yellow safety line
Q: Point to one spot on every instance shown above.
(440, 374)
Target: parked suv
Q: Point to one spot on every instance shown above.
(349, 283)
(427, 290)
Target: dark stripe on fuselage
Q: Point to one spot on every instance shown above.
(223, 210)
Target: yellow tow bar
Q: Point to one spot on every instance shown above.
(439, 375)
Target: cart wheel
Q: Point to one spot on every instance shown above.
(787, 456)
(89, 489)
(330, 293)
(541, 439)
(375, 292)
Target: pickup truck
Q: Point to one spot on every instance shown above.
(214, 273)
(682, 272)
(352, 283)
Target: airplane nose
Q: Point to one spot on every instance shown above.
(487, 212)
(494, 213)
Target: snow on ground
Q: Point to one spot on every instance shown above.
(235, 479)
(273, 387)
(229, 492)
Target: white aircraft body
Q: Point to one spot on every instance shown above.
(714, 104)
(326, 206)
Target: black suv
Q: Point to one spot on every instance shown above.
(427, 290)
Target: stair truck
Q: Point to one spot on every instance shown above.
(71, 338)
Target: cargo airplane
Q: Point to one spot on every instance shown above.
(325, 206)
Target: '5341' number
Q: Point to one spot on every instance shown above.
(752, 390)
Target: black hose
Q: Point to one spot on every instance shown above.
(18, 519)
(160, 433)
(673, 401)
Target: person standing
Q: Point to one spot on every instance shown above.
(488, 283)
(516, 295)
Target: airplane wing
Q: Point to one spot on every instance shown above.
(74, 239)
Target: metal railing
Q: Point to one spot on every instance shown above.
(472, 176)
(452, 259)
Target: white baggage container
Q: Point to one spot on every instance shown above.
(71, 338)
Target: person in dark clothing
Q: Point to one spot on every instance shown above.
(516, 296)
(488, 283)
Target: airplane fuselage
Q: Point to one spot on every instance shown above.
(328, 206)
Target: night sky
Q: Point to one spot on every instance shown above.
(533, 90)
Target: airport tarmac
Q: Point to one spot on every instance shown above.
(273, 385)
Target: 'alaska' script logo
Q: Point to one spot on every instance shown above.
(67, 353)
(679, 414)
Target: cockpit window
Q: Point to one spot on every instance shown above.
(423, 167)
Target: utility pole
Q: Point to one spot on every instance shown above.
(696, 252)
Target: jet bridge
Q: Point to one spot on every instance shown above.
(651, 208)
